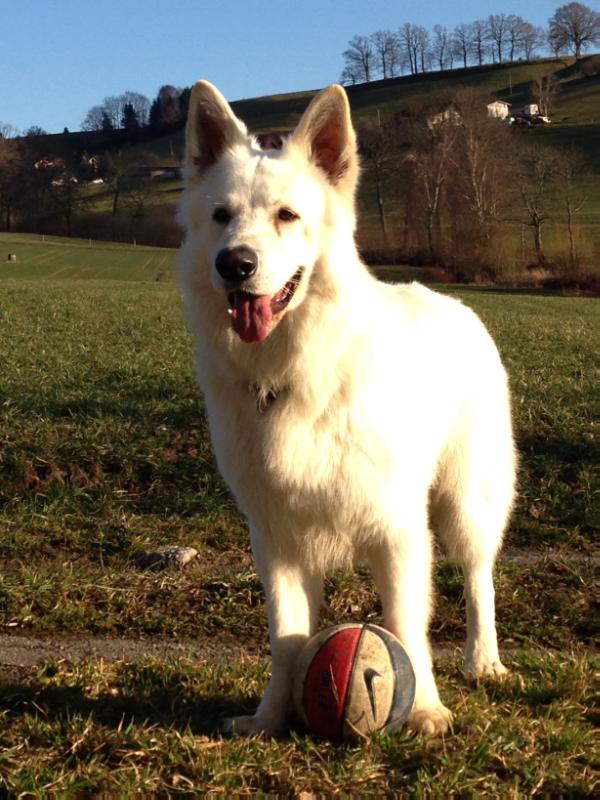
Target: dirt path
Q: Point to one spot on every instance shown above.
(27, 651)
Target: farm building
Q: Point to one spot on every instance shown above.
(498, 109)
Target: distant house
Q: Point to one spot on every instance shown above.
(531, 110)
(498, 109)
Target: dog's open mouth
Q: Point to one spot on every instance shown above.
(254, 316)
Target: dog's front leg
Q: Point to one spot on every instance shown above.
(402, 570)
(293, 598)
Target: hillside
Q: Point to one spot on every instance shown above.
(150, 192)
(577, 101)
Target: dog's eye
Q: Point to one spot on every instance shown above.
(287, 215)
(221, 216)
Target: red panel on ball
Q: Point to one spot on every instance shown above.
(326, 682)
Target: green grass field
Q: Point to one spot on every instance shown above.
(105, 451)
(50, 258)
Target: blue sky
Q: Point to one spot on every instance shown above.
(60, 57)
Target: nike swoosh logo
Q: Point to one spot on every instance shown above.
(369, 676)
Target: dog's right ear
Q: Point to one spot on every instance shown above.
(211, 128)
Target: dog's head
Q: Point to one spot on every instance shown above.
(259, 217)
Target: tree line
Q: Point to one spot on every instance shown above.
(45, 187)
(132, 111)
(54, 194)
(497, 39)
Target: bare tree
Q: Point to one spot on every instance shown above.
(441, 46)
(482, 171)
(93, 119)
(395, 63)
(431, 161)
(515, 28)
(498, 25)
(386, 47)
(532, 38)
(137, 192)
(480, 34)
(378, 147)
(67, 192)
(544, 89)
(36, 172)
(462, 43)
(575, 27)
(537, 171)
(8, 131)
(119, 169)
(360, 57)
(110, 113)
(35, 130)
(422, 35)
(11, 193)
(349, 76)
(569, 168)
(409, 43)
(112, 107)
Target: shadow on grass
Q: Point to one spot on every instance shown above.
(561, 465)
(170, 705)
(116, 396)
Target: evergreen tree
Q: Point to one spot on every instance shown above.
(129, 121)
(107, 125)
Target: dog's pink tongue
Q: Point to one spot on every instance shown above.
(251, 316)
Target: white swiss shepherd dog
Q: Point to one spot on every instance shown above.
(350, 418)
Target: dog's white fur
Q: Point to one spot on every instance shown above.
(369, 416)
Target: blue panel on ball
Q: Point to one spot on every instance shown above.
(404, 684)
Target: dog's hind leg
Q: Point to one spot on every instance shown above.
(293, 600)
(471, 532)
(469, 511)
(401, 568)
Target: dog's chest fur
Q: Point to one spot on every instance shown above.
(284, 457)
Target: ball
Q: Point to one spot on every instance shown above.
(352, 680)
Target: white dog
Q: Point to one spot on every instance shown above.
(349, 417)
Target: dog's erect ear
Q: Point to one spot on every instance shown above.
(327, 136)
(211, 127)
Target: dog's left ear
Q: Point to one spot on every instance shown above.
(326, 134)
(211, 128)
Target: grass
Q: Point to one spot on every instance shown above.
(149, 727)
(49, 258)
(104, 451)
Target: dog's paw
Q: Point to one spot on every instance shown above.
(486, 670)
(251, 726)
(435, 721)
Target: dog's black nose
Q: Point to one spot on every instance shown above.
(236, 264)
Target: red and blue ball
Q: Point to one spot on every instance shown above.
(353, 680)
